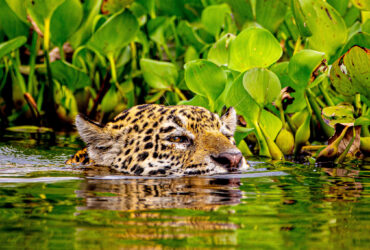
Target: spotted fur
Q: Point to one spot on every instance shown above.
(161, 140)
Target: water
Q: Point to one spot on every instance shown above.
(46, 204)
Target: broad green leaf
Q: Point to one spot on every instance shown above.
(328, 29)
(350, 74)
(340, 5)
(271, 124)
(300, 18)
(205, 78)
(299, 103)
(109, 37)
(113, 6)
(29, 129)
(68, 75)
(91, 8)
(10, 23)
(157, 27)
(239, 98)
(197, 100)
(362, 4)
(338, 114)
(353, 14)
(213, 18)
(188, 35)
(9, 46)
(245, 105)
(363, 120)
(263, 85)
(361, 39)
(42, 9)
(110, 100)
(254, 47)
(242, 10)
(19, 8)
(303, 64)
(270, 13)
(62, 28)
(159, 75)
(191, 54)
(219, 52)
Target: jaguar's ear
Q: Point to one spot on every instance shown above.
(229, 119)
(91, 132)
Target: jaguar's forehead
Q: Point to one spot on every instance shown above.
(146, 116)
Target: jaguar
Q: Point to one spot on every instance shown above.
(157, 140)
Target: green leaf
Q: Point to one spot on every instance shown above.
(62, 28)
(271, 124)
(90, 9)
(19, 8)
(42, 9)
(270, 13)
(113, 6)
(338, 114)
(300, 18)
(68, 75)
(206, 79)
(340, 5)
(191, 54)
(361, 39)
(242, 10)
(188, 35)
(9, 46)
(110, 100)
(239, 98)
(219, 52)
(109, 37)
(213, 18)
(159, 75)
(329, 31)
(362, 4)
(29, 129)
(254, 47)
(197, 100)
(263, 85)
(10, 23)
(350, 74)
(363, 120)
(303, 64)
(157, 28)
(282, 71)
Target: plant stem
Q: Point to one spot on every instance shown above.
(46, 34)
(133, 55)
(180, 94)
(328, 100)
(345, 152)
(18, 75)
(264, 149)
(61, 53)
(290, 123)
(297, 45)
(32, 63)
(312, 105)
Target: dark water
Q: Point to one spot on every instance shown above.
(46, 204)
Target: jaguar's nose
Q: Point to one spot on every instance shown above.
(229, 160)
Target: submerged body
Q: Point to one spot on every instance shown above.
(162, 140)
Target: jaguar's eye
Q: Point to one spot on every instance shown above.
(179, 139)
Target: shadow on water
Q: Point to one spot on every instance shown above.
(46, 204)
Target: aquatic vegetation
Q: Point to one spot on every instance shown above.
(297, 72)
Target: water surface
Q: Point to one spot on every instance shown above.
(46, 204)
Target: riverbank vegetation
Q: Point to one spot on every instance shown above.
(296, 71)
